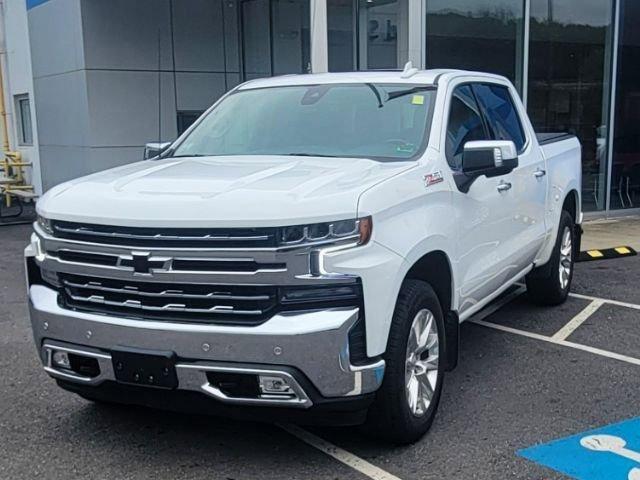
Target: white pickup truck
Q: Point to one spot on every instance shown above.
(306, 250)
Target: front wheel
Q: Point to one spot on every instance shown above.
(549, 284)
(407, 401)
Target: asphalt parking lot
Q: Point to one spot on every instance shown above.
(527, 375)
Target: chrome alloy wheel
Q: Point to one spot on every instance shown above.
(421, 366)
(566, 254)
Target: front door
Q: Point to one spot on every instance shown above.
(483, 213)
(529, 186)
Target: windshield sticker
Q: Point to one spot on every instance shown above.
(418, 100)
(406, 148)
(433, 178)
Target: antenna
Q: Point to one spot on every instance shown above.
(409, 70)
(159, 93)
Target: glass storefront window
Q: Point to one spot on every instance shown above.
(367, 34)
(569, 81)
(341, 16)
(275, 37)
(625, 171)
(483, 35)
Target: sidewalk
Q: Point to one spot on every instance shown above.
(613, 232)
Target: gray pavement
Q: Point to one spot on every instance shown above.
(612, 232)
(509, 392)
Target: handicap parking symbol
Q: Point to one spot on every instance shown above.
(607, 453)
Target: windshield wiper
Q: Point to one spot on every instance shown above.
(190, 155)
(376, 92)
(303, 154)
(402, 93)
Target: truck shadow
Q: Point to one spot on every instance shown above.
(135, 439)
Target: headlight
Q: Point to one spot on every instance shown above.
(356, 230)
(45, 224)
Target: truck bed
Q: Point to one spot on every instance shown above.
(551, 137)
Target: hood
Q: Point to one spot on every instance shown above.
(226, 191)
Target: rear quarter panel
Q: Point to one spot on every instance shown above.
(564, 169)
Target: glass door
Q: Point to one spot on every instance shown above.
(367, 34)
(274, 37)
(570, 80)
(625, 170)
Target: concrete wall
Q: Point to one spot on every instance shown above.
(18, 80)
(60, 90)
(96, 65)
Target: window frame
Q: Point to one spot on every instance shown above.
(446, 126)
(515, 109)
(20, 119)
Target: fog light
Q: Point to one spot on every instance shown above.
(270, 385)
(61, 359)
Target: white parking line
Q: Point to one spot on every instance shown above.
(564, 343)
(606, 300)
(348, 458)
(559, 338)
(578, 320)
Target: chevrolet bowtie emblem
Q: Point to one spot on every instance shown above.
(143, 263)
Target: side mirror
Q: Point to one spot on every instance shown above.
(489, 157)
(154, 149)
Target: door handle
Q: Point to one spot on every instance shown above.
(539, 173)
(504, 186)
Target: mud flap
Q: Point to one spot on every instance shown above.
(452, 340)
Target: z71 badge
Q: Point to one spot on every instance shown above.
(433, 178)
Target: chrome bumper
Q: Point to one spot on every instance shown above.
(313, 343)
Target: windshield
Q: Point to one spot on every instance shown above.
(356, 120)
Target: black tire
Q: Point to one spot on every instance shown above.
(390, 417)
(544, 285)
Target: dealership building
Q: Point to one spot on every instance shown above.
(89, 82)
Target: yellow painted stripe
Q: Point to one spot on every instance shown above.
(595, 253)
(622, 250)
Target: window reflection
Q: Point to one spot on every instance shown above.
(569, 81)
(484, 35)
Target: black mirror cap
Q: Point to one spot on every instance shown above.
(476, 163)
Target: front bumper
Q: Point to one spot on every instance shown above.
(310, 349)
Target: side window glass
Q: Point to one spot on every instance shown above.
(465, 124)
(501, 114)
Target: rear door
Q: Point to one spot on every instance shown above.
(483, 214)
(529, 180)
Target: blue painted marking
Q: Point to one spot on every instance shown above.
(600, 456)
(379, 373)
(35, 3)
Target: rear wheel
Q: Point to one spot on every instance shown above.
(549, 284)
(407, 401)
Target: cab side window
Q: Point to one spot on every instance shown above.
(464, 125)
(500, 112)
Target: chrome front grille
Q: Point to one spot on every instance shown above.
(164, 277)
(166, 237)
(180, 263)
(237, 304)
